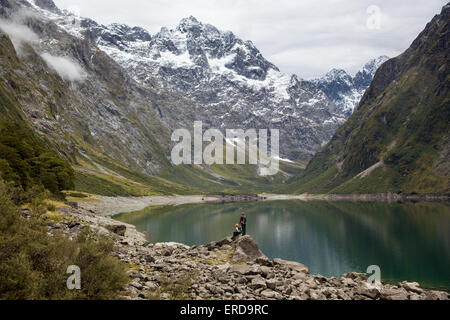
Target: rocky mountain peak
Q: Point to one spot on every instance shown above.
(46, 5)
(189, 23)
(227, 79)
(346, 91)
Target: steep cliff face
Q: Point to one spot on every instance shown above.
(78, 97)
(228, 80)
(398, 138)
(114, 130)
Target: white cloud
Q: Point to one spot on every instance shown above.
(305, 37)
(66, 67)
(19, 34)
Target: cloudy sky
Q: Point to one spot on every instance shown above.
(307, 37)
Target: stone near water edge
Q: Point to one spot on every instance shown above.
(264, 261)
(295, 266)
(372, 293)
(245, 250)
(411, 286)
(393, 294)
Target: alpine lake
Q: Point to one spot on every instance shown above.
(408, 241)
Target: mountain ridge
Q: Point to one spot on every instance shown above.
(345, 90)
(398, 138)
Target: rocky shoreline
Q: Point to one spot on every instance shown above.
(224, 270)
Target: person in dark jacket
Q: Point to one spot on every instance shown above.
(237, 231)
(243, 223)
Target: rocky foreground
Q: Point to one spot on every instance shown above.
(224, 269)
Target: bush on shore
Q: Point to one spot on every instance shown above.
(33, 263)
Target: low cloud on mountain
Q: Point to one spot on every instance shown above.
(67, 68)
(18, 33)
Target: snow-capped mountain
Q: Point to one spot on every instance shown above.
(229, 81)
(234, 85)
(231, 85)
(346, 91)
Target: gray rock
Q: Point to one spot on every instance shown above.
(393, 294)
(240, 268)
(436, 295)
(268, 294)
(411, 286)
(372, 293)
(258, 283)
(295, 266)
(246, 250)
(271, 284)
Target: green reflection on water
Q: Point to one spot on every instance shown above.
(409, 241)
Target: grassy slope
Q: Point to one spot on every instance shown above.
(100, 175)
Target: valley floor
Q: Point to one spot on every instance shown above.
(110, 206)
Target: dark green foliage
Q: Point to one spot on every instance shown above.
(26, 161)
(33, 264)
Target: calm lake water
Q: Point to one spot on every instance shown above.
(409, 241)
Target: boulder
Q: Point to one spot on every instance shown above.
(393, 294)
(268, 294)
(292, 265)
(265, 271)
(240, 268)
(246, 250)
(257, 283)
(436, 295)
(411, 286)
(271, 284)
(372, 293)
(264, 261)
(226, 241)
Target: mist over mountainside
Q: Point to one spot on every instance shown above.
(398, 138)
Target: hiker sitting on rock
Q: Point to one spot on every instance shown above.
(243, 223)
(237, 231)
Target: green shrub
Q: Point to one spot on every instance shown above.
(27, 162)
(33, 264)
